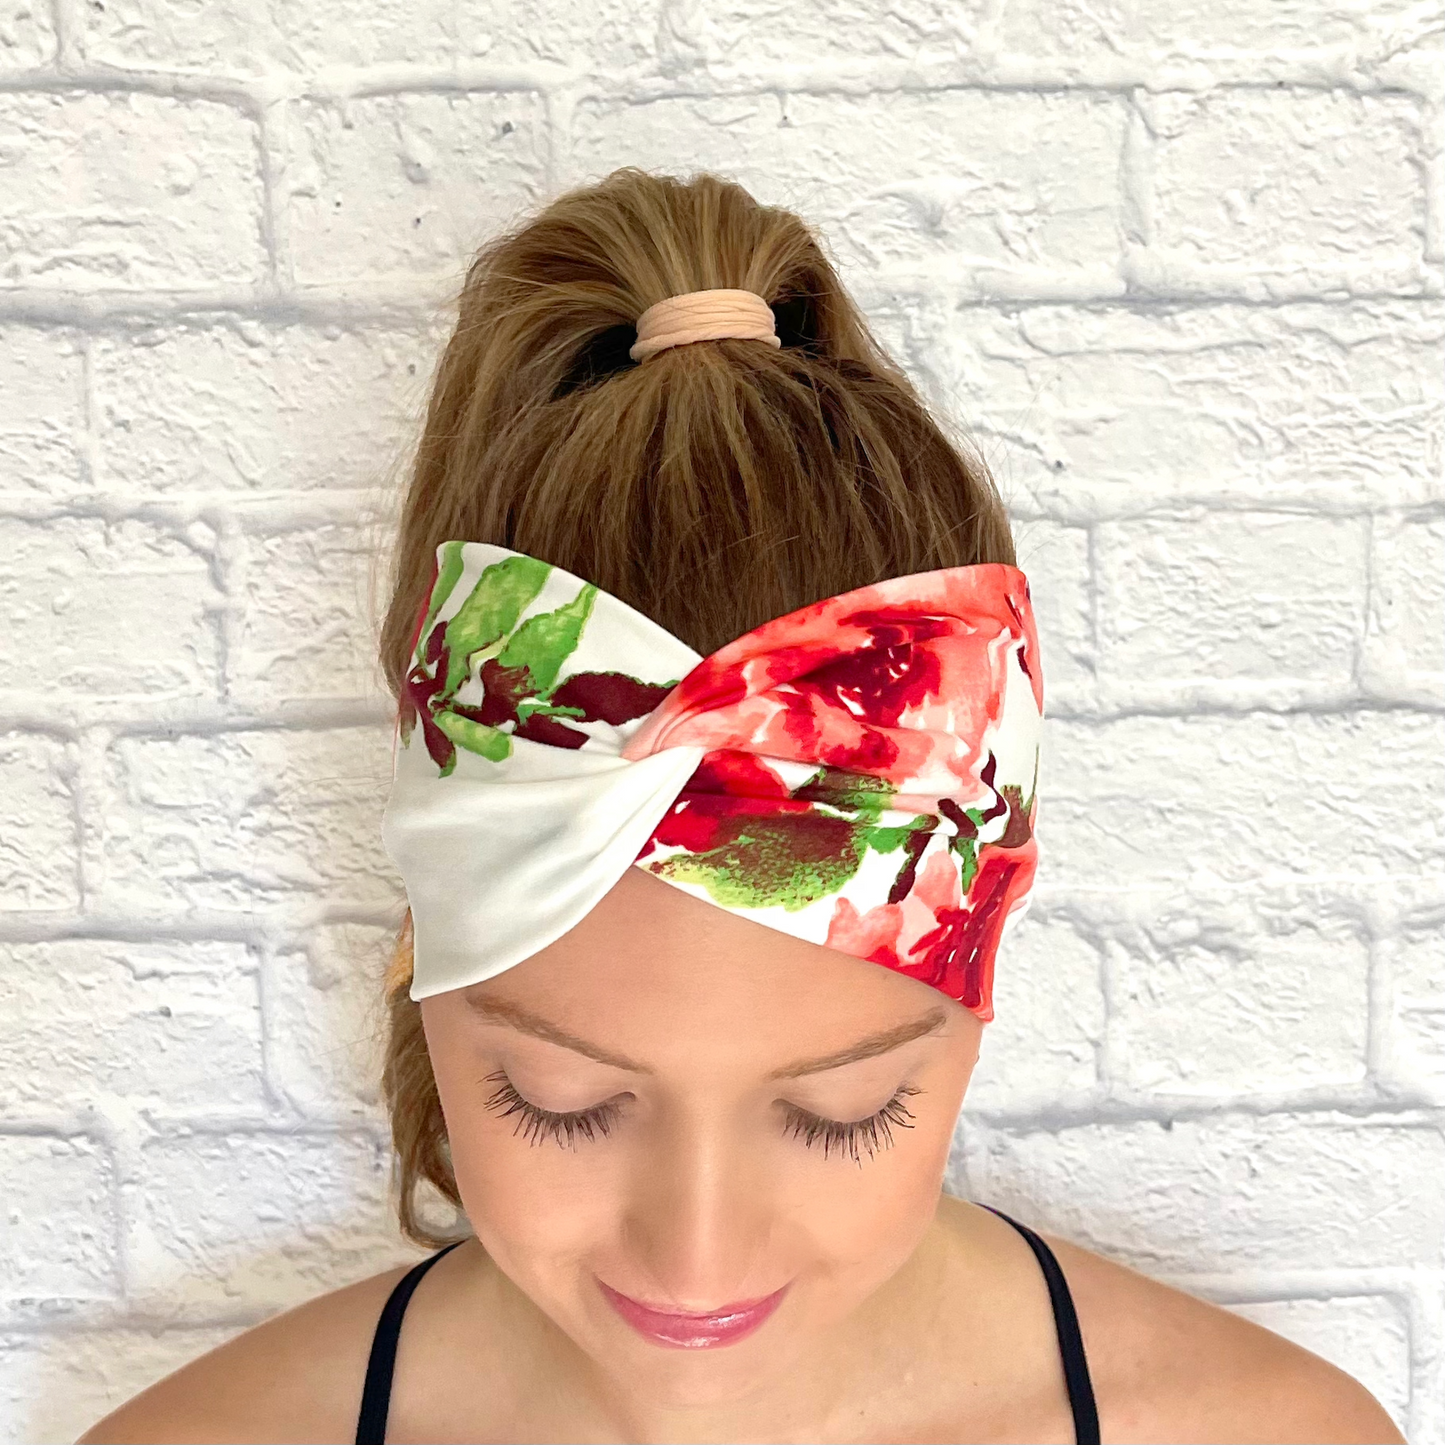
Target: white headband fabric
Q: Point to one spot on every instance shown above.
(860, 773)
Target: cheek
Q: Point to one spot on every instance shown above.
(865, 1222)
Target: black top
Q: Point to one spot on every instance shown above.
(376, 1394)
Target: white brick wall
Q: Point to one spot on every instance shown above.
(1179, 264)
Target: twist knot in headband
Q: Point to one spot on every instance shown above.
(704, 316)
(860, 773)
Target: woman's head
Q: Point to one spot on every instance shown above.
(712, 487)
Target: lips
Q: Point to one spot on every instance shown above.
(724, 1326)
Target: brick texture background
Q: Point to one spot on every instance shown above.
(1179, 266)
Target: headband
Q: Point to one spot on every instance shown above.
(860, 773)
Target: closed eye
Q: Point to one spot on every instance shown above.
(854, 1137)
(537, 1124)
(857, 1136)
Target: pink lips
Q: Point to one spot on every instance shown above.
(694, 1332)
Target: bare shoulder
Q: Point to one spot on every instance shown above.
(295, 1377)
(1168, 1366)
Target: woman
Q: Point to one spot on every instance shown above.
(719, 702)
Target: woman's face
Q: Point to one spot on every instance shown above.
(674, 1111)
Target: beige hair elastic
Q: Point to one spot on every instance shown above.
(704, 316)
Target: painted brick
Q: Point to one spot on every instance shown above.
(1194, 31)
(1417, 961)
(1099, 407)
(58, 1240)
(1408, 592)
(54, 1386)
(1232, 595)
(211, 1220)
(173, 1028)
(1042, 1046)
(125, 190)
(105, 609)
(39, 847)
(996, 181)
(307, 625)
(27, 35)
(406, 186)
(1242, 798)
(1310, 178)
(1367, 1336)
(233, 38)
(1072, 29)
(743, 136)
(617, 41)
(1221, 1002)
(44, 412)
(958, 177)
(326, 1022)
(247, 820)
(255, 408)
(1283, 1191)
(1196, 27)
(727, 33)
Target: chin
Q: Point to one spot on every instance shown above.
(701, 1378)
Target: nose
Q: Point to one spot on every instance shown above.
(700, 1220)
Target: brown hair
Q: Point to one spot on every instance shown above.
(713, 486)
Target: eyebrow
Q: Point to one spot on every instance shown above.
(869, 1048)
(497, 1010)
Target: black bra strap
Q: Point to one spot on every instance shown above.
(376, 1393)
(1071, 1342)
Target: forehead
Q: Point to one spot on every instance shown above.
(658, 974)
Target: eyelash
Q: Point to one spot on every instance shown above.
(536, 1124)
(870, 1135)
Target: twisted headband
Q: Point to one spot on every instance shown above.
(860, 773)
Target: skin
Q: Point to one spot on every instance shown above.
(908, 1316)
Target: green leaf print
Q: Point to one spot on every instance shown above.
(543, 643)
(788, 863)
(475, 737)
(862, 798)
(889, 840)
(967, 850)
(448, 572)
(531, 707)
(490, 612)
(839, 788)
